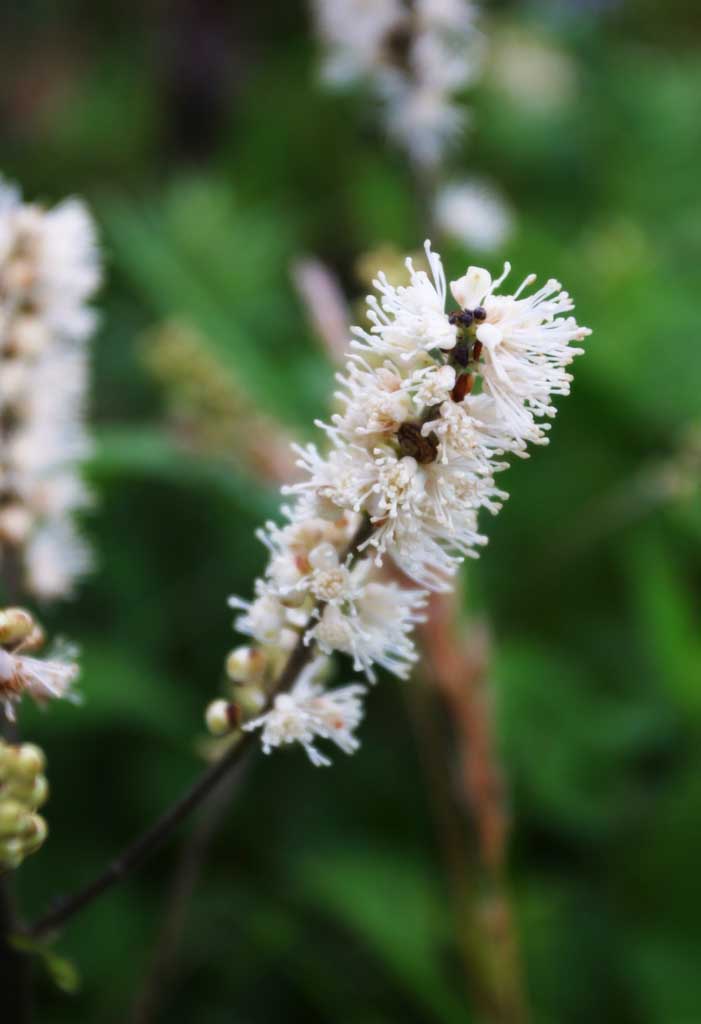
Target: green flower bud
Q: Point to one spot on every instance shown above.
(12, 817)
(23, 788)
(38, 830)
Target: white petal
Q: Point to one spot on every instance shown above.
(489, 334)
(469, 290)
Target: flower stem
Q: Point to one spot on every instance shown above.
(149, 841)
(15, 978)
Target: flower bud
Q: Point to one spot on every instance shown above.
(38, 830)
(11, 854)
(35, 640)
(219, 717)
(23, 787)
(40, 791)
(30, 760)
(12, 817)
(250, 699)
(246, 665)
(16, 625)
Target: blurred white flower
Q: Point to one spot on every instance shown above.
(43, 680)
(534, 74)
(416, 57)
(49, 268)
(473, 213)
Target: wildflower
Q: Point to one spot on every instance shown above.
(416, 58)
(433, 402)
(308, 712)
(42, 679)
(424, 505)
(474, 214)
(48, 270)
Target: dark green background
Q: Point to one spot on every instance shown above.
(210, 156)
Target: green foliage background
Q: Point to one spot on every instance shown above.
(324, 898)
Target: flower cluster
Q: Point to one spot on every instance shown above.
(48, 270)
(23, 789)
(431, 404)
(42, 679)
(417, 57)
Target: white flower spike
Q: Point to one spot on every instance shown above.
(432, 403)
(49, 269)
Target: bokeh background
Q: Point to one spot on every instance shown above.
(213, 160)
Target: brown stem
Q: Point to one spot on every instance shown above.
(15, 988)
(149, 841)
(460, 675)
(15, 967)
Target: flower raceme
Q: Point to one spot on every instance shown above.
(416, 57)
(49, 269)
(432, 403)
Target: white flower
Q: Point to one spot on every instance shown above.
(354, 32)
(308, 712)
(56, 555)
(423, 498)
(416, 57)
(49, 268)
(375, 630)
(266, 618)
(409, 321)
(526, 347)
(475, 214)
(431, 410)
(41, 680)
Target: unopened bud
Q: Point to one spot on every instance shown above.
(40, 791)
(221, 717)
(246, 665)
(11, 854)
(38, 830)
(30, 760)
(12, 817)
(35, 640)
(16, 625)
(251, 700)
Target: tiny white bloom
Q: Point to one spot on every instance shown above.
(308, 712)
(42, 680)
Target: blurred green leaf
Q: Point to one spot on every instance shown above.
(392, 903)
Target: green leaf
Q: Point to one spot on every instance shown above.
(393, 904)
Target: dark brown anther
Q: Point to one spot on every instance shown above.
(477, 350)
(463, 386)
(454, 317)
(479, 313)
(466, 317)
(412, 442)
